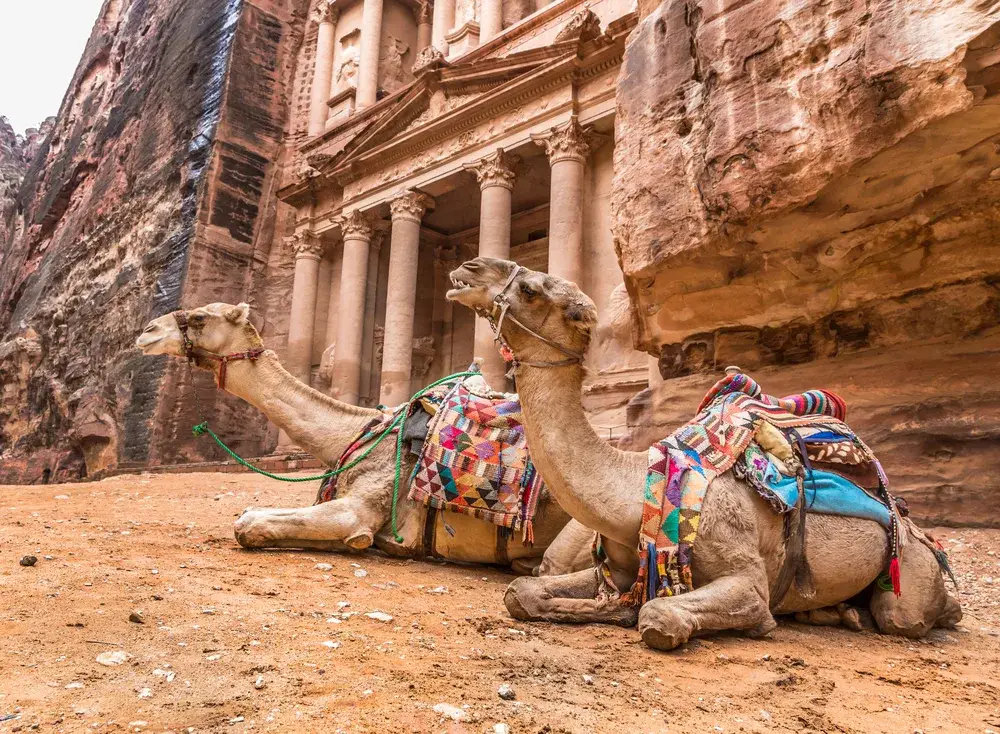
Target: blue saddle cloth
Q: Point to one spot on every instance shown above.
(826, 492)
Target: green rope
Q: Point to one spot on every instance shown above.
(202, 428)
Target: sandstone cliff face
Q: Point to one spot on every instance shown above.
(808, 190)
(148, 195)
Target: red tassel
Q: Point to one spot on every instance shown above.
(894, 576)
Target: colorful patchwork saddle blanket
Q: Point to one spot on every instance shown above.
(472, 454)
(784, 447)
(475, 460)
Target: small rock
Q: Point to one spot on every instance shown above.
(28, 561)
(379, 616)
(146, 693)
(259, 683)
(167, 675)
(764, 715)
(448, 711)
(331, 644)
(324, 567)
(208, 611)
(506, 692)
(136, 617)
(588, 680)
(360, 573)
(438, 590)
(138, 723)
(213, 657)
(48, 558)
(61, 497)
(501, 728)
(74, 684)
(236, 720)
(116, 657)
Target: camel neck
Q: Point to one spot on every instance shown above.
(319, 424)
(597, 484)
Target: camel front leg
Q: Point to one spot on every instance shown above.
(574, 598)
(340, 524)
(727, 603)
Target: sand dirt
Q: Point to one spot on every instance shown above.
(218, 620)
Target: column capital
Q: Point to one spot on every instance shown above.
(306, 245)
(496, 169)
(428, 59)
(410, 206)
(326, 12)
(356, 225)
(422, 12)
(569, 141)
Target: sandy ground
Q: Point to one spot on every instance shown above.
(218, 620)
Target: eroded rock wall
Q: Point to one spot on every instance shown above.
(808, 190)
(151, 193)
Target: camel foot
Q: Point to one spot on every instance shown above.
(572, 598)
(951, 615)
(857, 620)
(727, 603)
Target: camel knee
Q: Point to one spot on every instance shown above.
(521, 599)
(664, 626)
(253, 531)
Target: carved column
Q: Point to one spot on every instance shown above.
(326, 18)
(345, 384)
(444, 19)
(397, 351)
(490, 19)
(371, 41)
(496, 176)
(567, 146)
(302, 319)
(368, 390)
(424, 27)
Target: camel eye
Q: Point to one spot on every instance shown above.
(528, 291)
(198, 319)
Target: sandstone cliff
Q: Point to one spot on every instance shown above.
(808, 190)
(150, 193)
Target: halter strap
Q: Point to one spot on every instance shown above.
(191, 351)
(501, 302)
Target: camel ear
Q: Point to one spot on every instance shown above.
(238, 314)
(581, 315)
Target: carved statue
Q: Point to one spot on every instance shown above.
(390, 64)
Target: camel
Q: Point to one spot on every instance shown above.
(360, 515)
(739, 549)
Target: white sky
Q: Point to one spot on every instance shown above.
(41, 42)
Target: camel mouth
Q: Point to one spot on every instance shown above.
(145, 341)
(461, 288)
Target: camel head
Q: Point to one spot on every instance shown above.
(218, 328)
(552, 307)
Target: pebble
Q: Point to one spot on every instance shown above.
(213, 657)
(331, 644)
(136, 617)
(259, 683)
(116, 657)
(438, 590)
(145, 693)
(167, 675)
(324, 567)
(501, 728)
(236, 720)
(61, 497)
(74, 684)
(360, 573)
(764, 715)
(506, 692)
(588, 680)
(48, 558)
(450, 712)
(28, 561)
(379, 616)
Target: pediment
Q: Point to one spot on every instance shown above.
(447, 90)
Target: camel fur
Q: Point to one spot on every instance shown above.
(360, 515)
(740, 547)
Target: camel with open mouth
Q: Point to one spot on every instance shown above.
(738, 554)
(359, 516)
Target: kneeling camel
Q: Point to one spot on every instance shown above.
(739, 549)
(360, 515)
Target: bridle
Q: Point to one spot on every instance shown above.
(501, 302)
(191, 351)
